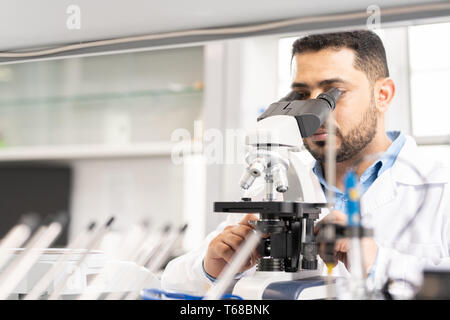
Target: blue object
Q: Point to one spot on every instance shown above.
(374, 266)
(156, 294)
(206, 273)
(352, 196)
(237, 276)
(281, 290)
(290, 290)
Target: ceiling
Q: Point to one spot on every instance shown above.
(30, 24)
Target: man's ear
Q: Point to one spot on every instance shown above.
(384, 91)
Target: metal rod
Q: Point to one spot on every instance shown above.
(160, 259)
(96, 239)
(141, 258)
(330, 159)
(269, 187)
(16, 237)
(148, 251)
(330, 173)
(41, 286)
(239, 259)
(125, 251)
(157, 262)
(121, 278)
(19, 267)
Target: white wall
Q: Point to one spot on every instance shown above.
(26, 24)
(240, 80)
(132, 190)
(395, 41)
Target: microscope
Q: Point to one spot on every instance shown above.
(277, 155)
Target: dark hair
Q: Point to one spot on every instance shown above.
(370, 55)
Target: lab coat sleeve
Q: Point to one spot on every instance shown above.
(397, 264)
(185, 273)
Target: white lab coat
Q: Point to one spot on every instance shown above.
(389, 203)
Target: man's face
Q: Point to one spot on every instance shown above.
(355, 113)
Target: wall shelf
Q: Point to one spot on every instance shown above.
(80, 152)
(95, 97)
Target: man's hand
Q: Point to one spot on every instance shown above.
(222, 248)
(368, 245)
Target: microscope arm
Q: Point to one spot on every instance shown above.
(304, 185)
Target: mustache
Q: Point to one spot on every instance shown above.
(324, 128)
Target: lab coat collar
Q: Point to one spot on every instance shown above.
(384, 188)
(382, 191)
(414, 167)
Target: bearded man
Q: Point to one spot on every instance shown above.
(392, 186)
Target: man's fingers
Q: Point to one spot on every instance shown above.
(225, 245)
(233, 240)
(240, 230)
(247, 218)
(224, 251)
(342, 245)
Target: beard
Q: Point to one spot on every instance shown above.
(352, 143)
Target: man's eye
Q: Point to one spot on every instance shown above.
(301, 95)
(342, 92)
(340, 89)
(295, 95)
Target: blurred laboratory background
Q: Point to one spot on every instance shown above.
(90, 132)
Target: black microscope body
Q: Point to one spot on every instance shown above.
(288, 226)
(288, 229)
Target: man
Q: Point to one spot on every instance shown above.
(393, 186)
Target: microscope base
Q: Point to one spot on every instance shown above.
(304, 285)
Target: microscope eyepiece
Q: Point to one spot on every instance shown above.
(309, 113)
(331, 96)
